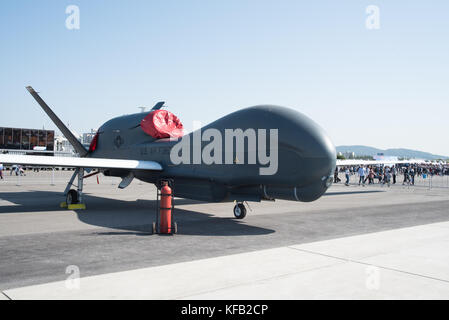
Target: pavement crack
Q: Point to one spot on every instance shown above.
(370, 264)
(255, 281)
(7, 297)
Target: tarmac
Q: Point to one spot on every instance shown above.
(372, 242)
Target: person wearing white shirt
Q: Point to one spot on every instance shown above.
(347, 173)
(362, 173)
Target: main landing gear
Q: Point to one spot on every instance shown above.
(239, 210)
(74, 197)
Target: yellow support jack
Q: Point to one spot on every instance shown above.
(76, 206)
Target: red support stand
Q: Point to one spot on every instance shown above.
(165, 205)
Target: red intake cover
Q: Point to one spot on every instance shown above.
(162, 124)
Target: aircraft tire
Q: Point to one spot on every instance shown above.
(72, 197)
(239, 211)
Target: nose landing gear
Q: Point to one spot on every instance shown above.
(239, 211)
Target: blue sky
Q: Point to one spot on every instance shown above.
(384, 88)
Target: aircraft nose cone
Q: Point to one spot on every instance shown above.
(306, 137)
(317, 156)
(325, 150)
(329, 156)
(317, 152)
(307, 156)
(298, 134)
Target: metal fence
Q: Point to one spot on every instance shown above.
(36, 152)
(53, 176)
(421, 181)
(50, 177)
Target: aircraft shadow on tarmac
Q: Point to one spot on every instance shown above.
(130, 217)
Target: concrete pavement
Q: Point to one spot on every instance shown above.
(409, 263)
(341, 241)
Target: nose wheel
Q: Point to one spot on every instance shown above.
(239, 211)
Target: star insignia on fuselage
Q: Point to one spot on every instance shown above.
(118, 141)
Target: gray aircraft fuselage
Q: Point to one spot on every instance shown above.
(306, 158)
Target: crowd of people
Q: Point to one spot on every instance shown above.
(18, 170)
(366, 174)
(389, 174)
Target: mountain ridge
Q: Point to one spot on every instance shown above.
(361, 150)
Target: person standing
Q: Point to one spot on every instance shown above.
(406, 179)
(380, 174)
(347, 175)
(336, 175)
(367, 170)
(1, 171)
(387, 176)
(394, 172)
(412, 176)
(371, 176)
(361, 173)
(20, 170)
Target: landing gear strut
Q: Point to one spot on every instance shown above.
(239, 210)
(74, 197)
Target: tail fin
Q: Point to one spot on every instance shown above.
(158, 105)
(61, 126)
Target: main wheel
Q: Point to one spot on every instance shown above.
(239, 211)
(72, 197)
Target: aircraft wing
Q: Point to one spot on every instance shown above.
(358, 162)
(100, 163)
